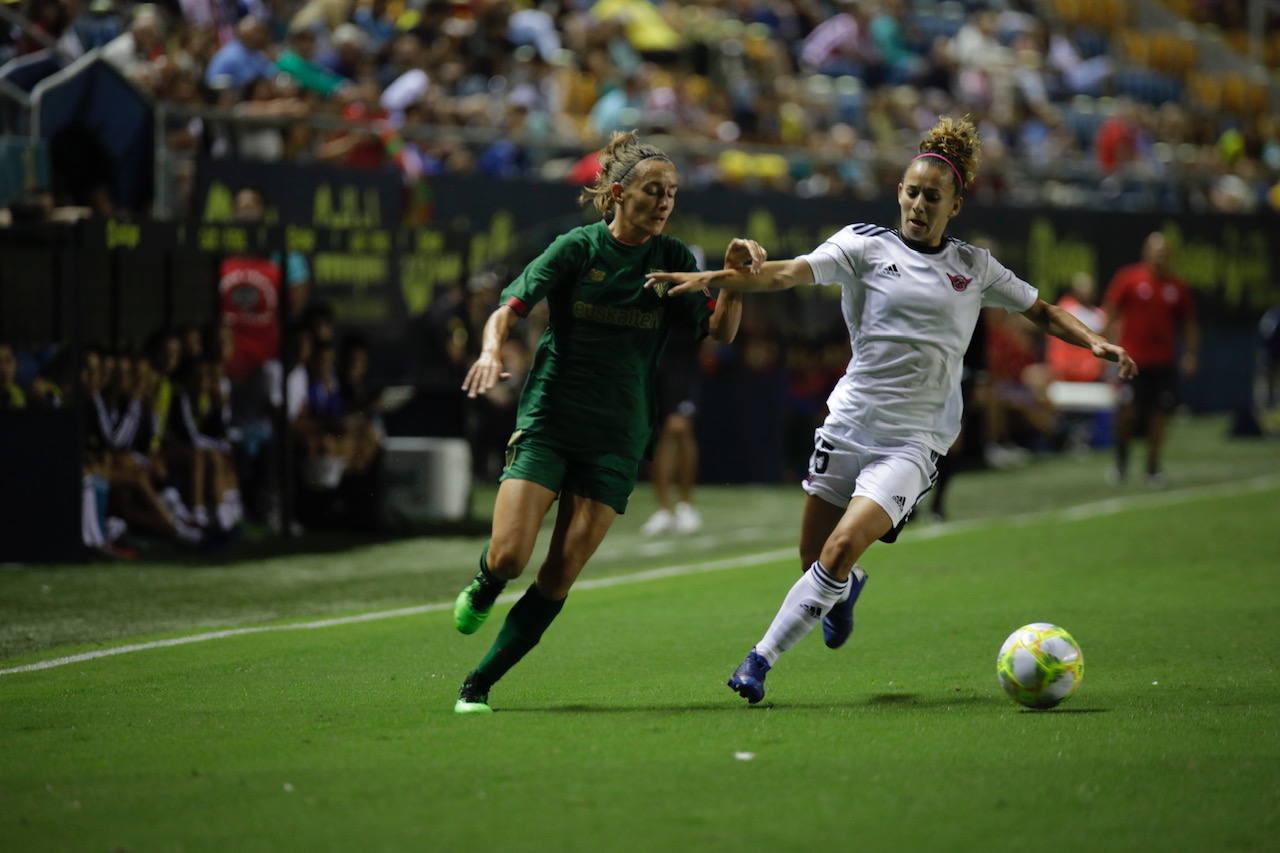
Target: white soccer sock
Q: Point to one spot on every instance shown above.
(90, 529)
(228, 515)
(173, 502)
(810, 598)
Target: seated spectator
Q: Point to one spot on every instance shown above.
(298, 62)
(321, 430)
(243, 59)
(200, 440)
(12, 395)
(122, 486)
(45, 390)
(262, 98)
(376, 22)
(1075, 364)
(50, 20)
(302, 343)
(361, 412)
(1017, 394)
(139, 53)
(347, 54)
(98, 25)
(1080, 76)
(328, 13)
(164, 362)
(359, 147)
(361, 485)
(193, 345)
(840, 45)
(255, 400)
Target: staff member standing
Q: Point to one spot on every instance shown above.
(1147, 305)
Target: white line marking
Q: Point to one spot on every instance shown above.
(1080, 512)
(594, 583)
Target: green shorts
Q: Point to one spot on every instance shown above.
(605, 477)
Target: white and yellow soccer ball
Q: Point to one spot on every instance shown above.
(1040, 665)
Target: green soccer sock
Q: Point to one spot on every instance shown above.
(522, 630)
(490, 584)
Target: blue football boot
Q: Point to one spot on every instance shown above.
(748, 679)
(838, 624)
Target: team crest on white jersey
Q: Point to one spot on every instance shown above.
(959, 282)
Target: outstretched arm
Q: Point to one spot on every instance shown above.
(773, 275)
(1053, 320)
(487, 370)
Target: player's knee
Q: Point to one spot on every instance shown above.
(844, 547)
(555, 579)
(506, 561)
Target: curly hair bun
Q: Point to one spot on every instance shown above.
(956, 140)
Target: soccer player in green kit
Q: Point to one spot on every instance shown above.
(586, 413)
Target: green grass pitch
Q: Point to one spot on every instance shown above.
(618, 733)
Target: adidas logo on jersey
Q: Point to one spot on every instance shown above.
(900, 501)
(892, 270)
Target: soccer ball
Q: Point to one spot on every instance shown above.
(1040, 665)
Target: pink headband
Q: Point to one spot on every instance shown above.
(959, 180)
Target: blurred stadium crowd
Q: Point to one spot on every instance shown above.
(1078, 102)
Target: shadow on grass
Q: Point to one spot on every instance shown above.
(883, 700)
(1065, 710)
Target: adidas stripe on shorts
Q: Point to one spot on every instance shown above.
(895, 477)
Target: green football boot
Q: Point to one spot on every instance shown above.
(471, 699)
(468, 618)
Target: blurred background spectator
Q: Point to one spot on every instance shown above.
(817, 96)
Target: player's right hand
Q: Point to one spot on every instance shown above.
(483, 375)
(745, 255)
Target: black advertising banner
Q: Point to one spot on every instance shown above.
(383, 279)
(347, 223)
(314, 195)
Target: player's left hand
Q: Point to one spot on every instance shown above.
(1113, 352)
(675, 283)
(745, 255)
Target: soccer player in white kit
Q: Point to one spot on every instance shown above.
(911, 299)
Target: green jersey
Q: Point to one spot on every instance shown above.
(591, 385)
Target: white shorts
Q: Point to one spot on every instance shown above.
(895, 477)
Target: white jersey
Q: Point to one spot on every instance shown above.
(910, 314)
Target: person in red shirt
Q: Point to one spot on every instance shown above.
(250, 290)
(1149, 306)
(1065, 363)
